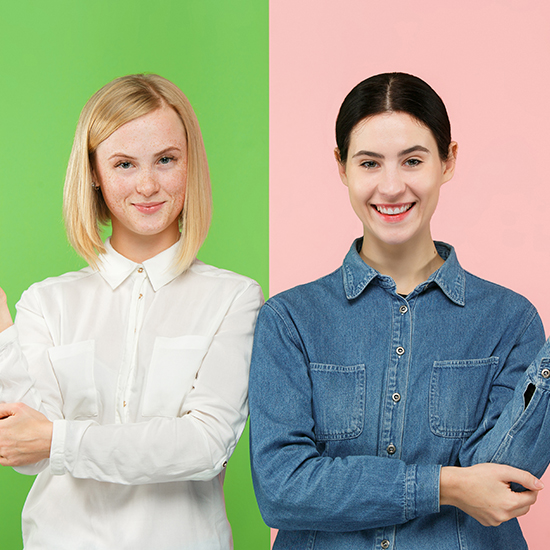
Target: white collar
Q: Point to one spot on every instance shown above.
(116, 268)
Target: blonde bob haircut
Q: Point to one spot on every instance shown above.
(121, 101)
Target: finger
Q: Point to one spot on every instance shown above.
(526, 479)
(11, 409)
(527, 498)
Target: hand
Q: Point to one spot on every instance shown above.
(5, 316)
(483, 491)
(25, 435)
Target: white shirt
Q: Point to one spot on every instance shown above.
(144, 373)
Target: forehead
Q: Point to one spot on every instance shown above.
(391, 130)
(154, 131)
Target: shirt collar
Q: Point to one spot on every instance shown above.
(116, 268)
(449, 277)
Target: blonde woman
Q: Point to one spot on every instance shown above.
(125, 384)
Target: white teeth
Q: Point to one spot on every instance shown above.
(392, 211)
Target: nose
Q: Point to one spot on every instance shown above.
(147, 184)
(392, 183)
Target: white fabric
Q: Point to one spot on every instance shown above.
(144, 373)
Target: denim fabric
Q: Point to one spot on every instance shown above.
(358, 396)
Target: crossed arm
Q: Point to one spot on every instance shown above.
(194, 446)
(293, 481)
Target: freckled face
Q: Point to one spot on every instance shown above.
(394, 174)
(142, 172)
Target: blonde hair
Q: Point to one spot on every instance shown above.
(118, 102)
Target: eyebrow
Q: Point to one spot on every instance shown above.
(400, 154)
(164, 151)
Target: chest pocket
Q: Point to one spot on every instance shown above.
(458, 395)
(73, 366)
(175, 363)
(338, 400)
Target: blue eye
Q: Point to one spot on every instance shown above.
(124, 165)
(166, 160)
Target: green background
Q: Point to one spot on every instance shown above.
(53, 56)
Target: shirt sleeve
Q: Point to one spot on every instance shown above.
(18, 375)
(516, 425)
(195, 446)
(296, 486)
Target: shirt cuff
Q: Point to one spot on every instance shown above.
(422, 486)
(539, 370)
(57, 451)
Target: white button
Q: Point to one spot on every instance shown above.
(400, 350)
(403, 309)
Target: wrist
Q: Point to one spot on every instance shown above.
(449, 483)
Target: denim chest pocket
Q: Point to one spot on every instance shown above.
(458, 395)
(174, 365)
(73, 366)
(338, 400)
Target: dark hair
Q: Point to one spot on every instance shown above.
(389, 92)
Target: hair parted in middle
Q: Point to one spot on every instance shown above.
(118, 102)
(393, 92)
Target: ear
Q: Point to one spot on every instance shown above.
(341, 166)
(450, 164)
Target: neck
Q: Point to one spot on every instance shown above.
(139, 248)
(407, 264)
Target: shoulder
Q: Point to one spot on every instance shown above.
(302, 298)
(60, 283)
(503, 306)
(478, 288)
(214, 279)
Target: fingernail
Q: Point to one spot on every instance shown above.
(539, 484)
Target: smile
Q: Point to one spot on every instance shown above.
(149, 208)
(393, 210)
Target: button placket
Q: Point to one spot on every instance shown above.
(135, 319)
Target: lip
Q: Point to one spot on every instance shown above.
(393, 213)
(148, 207)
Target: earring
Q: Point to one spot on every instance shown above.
(94, 186)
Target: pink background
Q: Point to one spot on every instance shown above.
(489, 62)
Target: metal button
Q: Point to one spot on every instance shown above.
(396, 397)
(403, 309)
(400, 350)
(140, 269)
(545, 373)
(385, 544)
(224, 464)
(391, 449)
(124, 403)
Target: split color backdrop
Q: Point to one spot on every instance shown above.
(489, 62)
(53, 56)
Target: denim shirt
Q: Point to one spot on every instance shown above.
(358, 396)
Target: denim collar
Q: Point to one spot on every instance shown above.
(449, 277)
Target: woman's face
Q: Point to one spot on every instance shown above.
(141, 169)
(394, 173)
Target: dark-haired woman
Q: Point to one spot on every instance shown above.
(378, 390)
